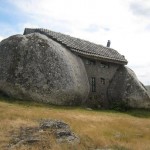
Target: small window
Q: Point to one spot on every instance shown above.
(102, 81)
(90, 62)
(104, 65)
(93, 62)
(93, 84)
(87, 62)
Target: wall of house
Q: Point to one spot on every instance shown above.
(102, 72)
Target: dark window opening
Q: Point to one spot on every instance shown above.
(102, 81)
(90, 62)
(104, 65)
(93, 84)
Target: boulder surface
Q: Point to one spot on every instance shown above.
(35, 67)
(148, 89)
(125, 87)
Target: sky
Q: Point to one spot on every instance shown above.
(126, 23)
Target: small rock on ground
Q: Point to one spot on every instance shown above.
(32, 135)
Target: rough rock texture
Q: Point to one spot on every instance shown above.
(148, 89)
(34, 67)
(41, 135)
(60, 129)
(126, 87)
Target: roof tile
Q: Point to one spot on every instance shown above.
(82, 47)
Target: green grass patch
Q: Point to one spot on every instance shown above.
(141, 113)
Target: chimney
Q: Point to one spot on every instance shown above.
(108, 43)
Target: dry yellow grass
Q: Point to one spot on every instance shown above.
(97, 129)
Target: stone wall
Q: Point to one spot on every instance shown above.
(100, 70)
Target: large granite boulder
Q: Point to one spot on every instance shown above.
(148, 89)
(126, 88)
(34, 67)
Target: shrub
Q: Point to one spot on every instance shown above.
(120, 105)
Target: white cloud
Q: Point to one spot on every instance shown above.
(1, 38)
(79, 13)
(125, 23)
(141, 8)
(143, 72)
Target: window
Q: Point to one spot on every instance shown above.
(104, 65)
(93, 84)
(90, 62)
(87, 62)
(102, 81)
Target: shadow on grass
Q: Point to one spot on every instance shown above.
(140, 113)
(29, 103)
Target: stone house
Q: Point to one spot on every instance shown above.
(100, 62)
(52, 67)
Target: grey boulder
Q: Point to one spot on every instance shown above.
(34, 67)
(148, 89)
(125, 87)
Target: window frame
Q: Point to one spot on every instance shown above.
(104, 65)
(103, 81)
(93, 84)
(90, 62)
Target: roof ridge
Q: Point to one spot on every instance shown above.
(78, 38)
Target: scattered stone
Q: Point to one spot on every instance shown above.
(119, 135)
(89, 108)
(60, 129)
(53, 124)
(35, 135)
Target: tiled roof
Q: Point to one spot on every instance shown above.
(82, 47)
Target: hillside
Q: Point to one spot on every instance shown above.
(96, 129)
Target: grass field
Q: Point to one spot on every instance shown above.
(96, 128)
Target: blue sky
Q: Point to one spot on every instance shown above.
(125, 22)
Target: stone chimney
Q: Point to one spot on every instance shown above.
(108, 43)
